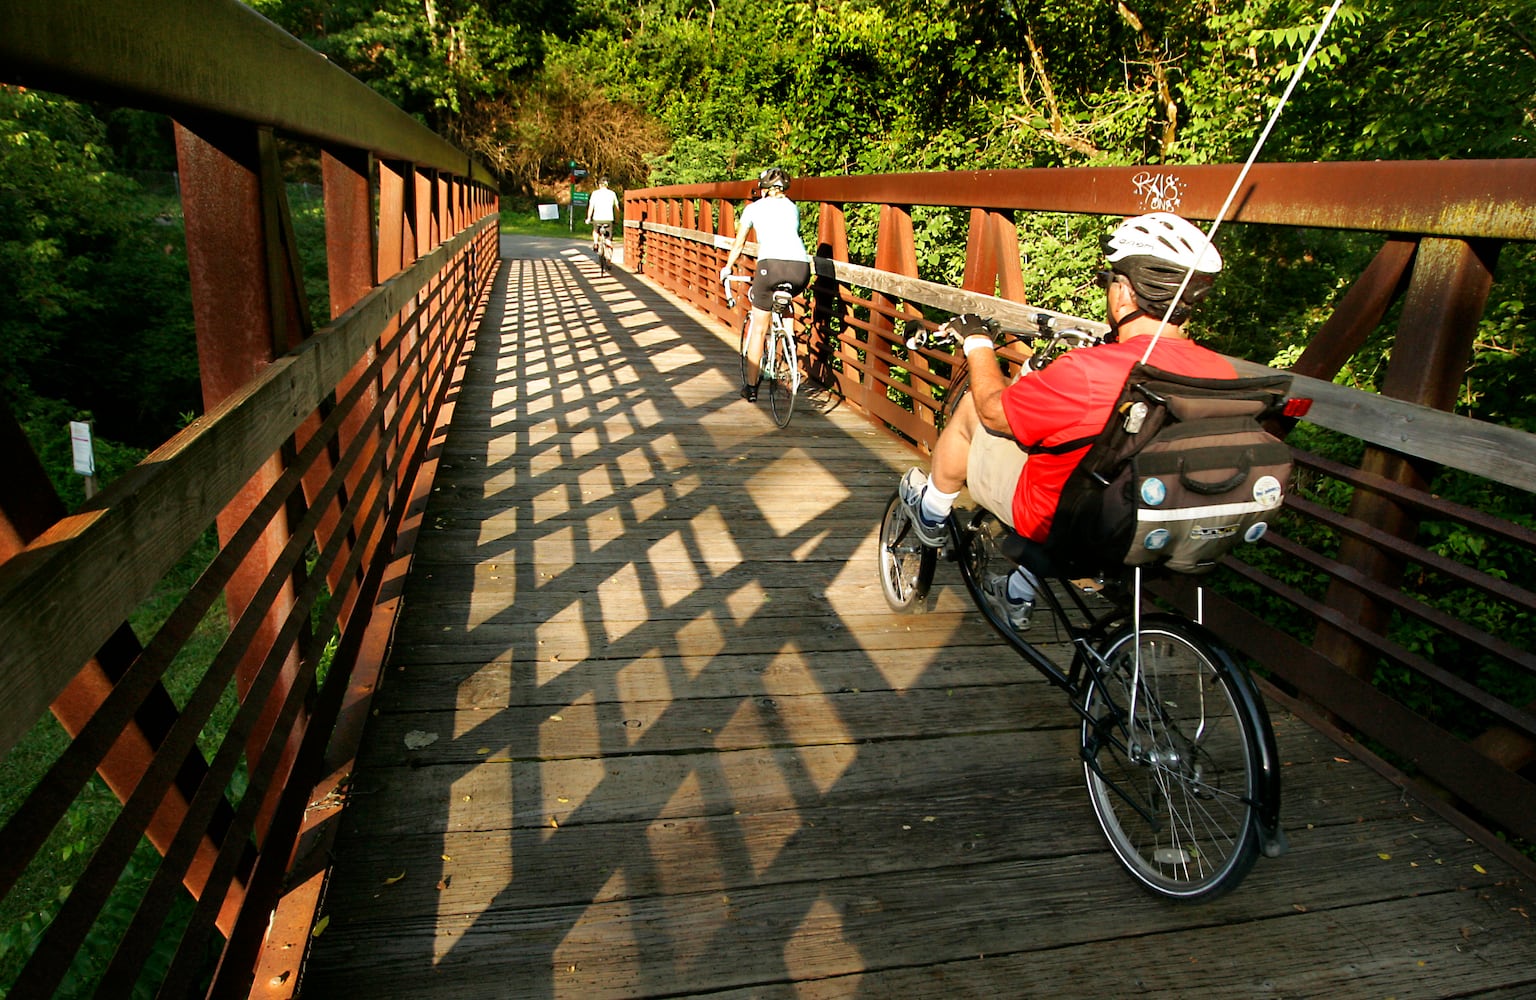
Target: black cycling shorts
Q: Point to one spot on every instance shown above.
(772, 273)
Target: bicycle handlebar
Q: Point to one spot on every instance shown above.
(725, 282)
(1057, 339)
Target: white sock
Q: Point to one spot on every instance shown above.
(936, 505)
(1021, 585)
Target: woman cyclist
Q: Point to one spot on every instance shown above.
(781, 259)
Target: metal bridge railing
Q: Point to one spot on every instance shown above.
(309, 465)
(1360, 582)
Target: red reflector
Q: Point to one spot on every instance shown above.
(1297, 406)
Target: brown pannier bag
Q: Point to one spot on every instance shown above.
(1183, 471)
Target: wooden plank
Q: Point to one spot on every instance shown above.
(1503, 454)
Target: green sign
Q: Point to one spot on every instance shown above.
(580, 197)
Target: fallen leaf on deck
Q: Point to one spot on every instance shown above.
(416, 739)
(392, 881)
(320, 926)
(1385, 857)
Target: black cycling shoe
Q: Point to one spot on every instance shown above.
(749, 393)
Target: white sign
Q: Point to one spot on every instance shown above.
(80, 444)
(549, 213)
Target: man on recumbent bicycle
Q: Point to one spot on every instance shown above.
(1001, 436)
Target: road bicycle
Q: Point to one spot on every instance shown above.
(779, 367)
(604, 233)
(1176, 746)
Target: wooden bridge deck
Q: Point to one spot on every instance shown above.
(671, 743)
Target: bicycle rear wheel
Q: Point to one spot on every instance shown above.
(906, 564)
(784, 377)
(1175, 788)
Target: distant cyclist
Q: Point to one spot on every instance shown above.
(602, 209)
(781, 259)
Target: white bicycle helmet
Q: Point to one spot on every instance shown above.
(1155, 252)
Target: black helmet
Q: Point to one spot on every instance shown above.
(1154, 252)
(773, 177)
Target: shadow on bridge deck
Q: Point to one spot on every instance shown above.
(648, 730)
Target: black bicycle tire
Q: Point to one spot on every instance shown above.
(781, 388)
(1205, 834)
(742, 349)
(906, 565)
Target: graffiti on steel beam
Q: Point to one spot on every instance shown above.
(1158, 192)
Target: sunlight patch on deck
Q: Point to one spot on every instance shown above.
(555, 553)
(603, 528)
(648, 504)
(617, 427)
(553, 502)
(809, 547)
(672, 569)
(820, 948)
(595, 484)
(658, 335)
(754, 782)
(712, 535)
(622, 601)
(547, 460)
(669, 453)
(560, 647)
(635, 466)
(793, 490)
(746, 601)
(677, 358)
(585, 443)
(646, 413)
(698, 643)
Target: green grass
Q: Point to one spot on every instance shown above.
(520, 217)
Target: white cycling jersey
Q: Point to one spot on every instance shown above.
(602, 205)
(776, 222)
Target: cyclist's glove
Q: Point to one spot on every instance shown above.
(971, 325)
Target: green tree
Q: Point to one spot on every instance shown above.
(94, 276)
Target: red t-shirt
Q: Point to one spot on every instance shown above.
(1072, 398)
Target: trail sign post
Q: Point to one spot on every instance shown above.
(84, 454)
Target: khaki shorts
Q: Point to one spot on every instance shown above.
(992, 470)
